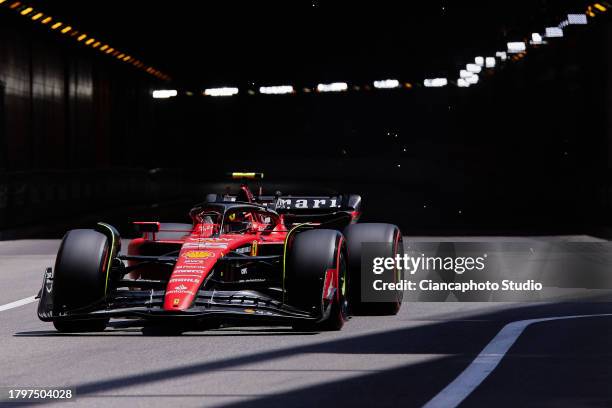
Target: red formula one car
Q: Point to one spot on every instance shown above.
(273, 260)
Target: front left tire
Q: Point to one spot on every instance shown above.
(81, 277)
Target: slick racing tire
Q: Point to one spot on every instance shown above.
(173, 231)
(312, 256)
(356, 235)
(80, 277)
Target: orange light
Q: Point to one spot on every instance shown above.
(120, 56)
(110, 50)
(56, 26)
(2, 1)
(47, 20)
(82, 37)
(599, 7)
(89, 41)
(15, 5)
(26, 11)
(103, 47)
(37, 16)
(127, 58)
(66, 29)
(96, 44)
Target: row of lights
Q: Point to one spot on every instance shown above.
(54, 24)
(289, 89)
(517, 49)
(470, 75)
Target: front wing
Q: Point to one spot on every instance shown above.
(148, 304)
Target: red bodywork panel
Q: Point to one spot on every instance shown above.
(198, 255)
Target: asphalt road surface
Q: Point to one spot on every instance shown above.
(430, 352)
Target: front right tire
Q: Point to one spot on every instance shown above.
(314, 257)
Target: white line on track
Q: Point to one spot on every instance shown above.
(462, 386)
(17, 303)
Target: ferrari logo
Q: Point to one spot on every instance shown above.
(198, 254)
(176, 301)
(254, 248)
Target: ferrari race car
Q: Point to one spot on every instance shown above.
(271, 260)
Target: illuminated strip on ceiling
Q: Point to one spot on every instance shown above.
(54, 24)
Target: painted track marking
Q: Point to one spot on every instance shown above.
(479, 369)
(17, 303)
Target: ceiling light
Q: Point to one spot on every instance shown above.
(387, 84)
(164, 93)
(578, 19)
(553, 32)
(517, 46)
(465, 73)
(225, 91)
(536, 39)
(599, 7)
(276, 90)
(435, 82)
(472, 79)
(333, 87)
(473, 68)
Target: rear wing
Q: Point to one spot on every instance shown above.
(295, 208)
(342, 209)
(311, 204)
(334, 211)
(296, 204)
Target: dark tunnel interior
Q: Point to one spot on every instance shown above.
(525, 151)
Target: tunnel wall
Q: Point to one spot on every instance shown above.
(65, 106)
(72, 126)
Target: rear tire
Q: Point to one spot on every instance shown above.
(311, 255)
(356, 235)
(80, 277)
